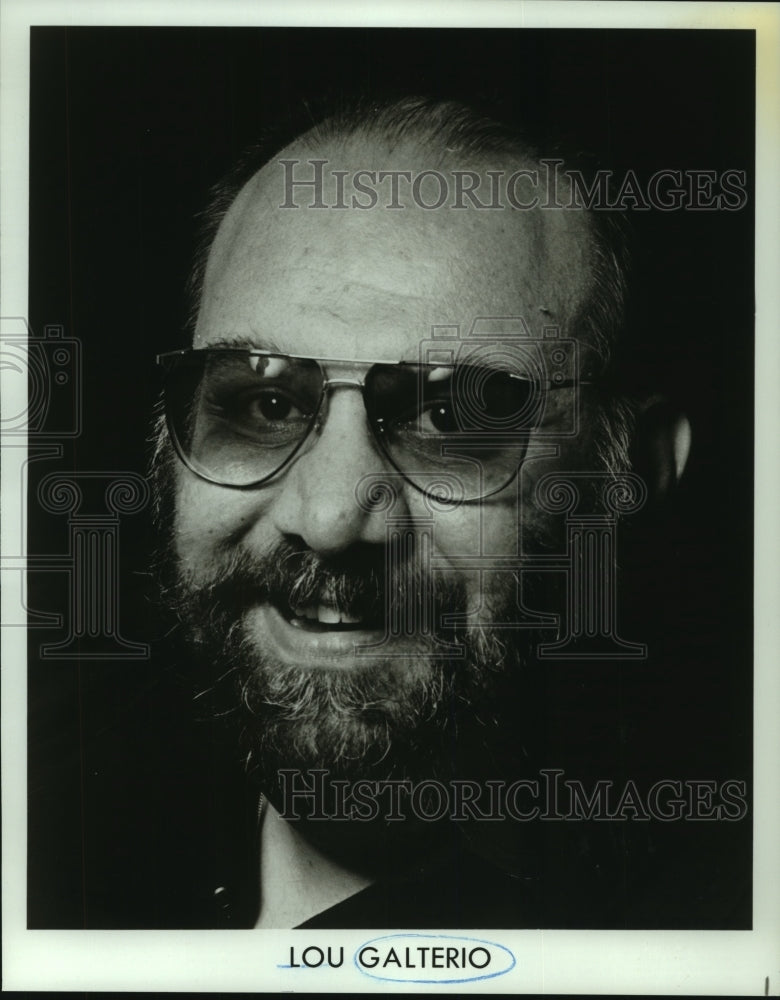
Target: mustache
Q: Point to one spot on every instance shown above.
(354, 582)
(372, 583)
(375, 583)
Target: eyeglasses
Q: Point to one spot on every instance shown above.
(237, 417)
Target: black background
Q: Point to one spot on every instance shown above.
(129, 128)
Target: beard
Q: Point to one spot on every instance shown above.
(461, 703)
(417, 715)
(427, 716)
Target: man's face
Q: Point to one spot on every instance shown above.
(293, 574)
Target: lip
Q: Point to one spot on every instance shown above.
(295, 646)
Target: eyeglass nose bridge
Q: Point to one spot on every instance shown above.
(359, 383)
(330, 383)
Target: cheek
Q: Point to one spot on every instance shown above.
(473, 543)
(209, 519)
(497, 533)
(476, 530)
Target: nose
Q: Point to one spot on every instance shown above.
(317, 496)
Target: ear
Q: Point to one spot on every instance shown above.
(662, 442)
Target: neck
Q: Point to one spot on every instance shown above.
(298, 881)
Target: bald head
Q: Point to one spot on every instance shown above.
(380, 171)
(375, 280)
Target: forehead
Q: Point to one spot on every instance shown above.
(372, 282)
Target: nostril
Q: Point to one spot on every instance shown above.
(296, 543)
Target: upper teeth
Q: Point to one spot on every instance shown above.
(325, 613)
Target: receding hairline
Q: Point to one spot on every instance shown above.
(349, 153)
(439, 128)
(449, 123)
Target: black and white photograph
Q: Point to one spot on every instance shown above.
(382, 555)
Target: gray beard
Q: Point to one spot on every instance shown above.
(419, 716)
(475, 715)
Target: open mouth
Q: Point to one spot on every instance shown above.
(328, 618)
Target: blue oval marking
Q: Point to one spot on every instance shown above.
(509, 960)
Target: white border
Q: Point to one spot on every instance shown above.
(547, 961)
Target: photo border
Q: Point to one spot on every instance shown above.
(547, 961)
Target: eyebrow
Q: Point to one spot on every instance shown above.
(246, 344)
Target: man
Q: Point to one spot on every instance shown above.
(353, 489)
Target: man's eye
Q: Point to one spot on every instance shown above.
(270, 405)
(265, 411)
(438, 418)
